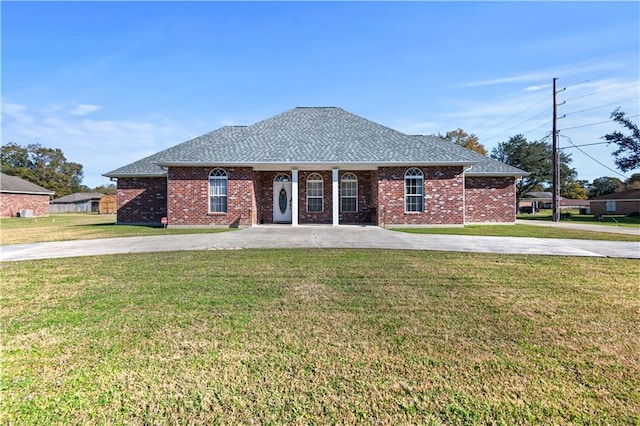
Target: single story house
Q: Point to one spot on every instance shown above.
(318, 165)
(19, 197)
(80, 202)
(623, 202)
(533, 201)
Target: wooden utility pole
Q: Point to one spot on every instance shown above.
(556, 160)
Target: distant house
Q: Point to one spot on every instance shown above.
(315, 166)
(624, 202)
(531, 202)
(19, 197)
(80, 202)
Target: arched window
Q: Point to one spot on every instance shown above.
(314, 193)
(282, 177)
(218, 191)
(349, 193)
(414, 191)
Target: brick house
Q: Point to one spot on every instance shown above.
(18, 195)
(315, 166)
(623, 202)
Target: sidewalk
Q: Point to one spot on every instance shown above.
(319, 236)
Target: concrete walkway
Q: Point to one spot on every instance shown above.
(318, 236)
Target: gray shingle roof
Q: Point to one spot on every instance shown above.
(17, 185)
(325, 135)
(78, 197)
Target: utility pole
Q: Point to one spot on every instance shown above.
(555, 157)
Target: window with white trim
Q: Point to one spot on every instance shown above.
(218, 191)
(314, 193)
(349, 193)
(414, 191)
(610, 206)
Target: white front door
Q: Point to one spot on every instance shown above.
(282, 202)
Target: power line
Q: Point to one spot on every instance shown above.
(601, 106)
(594, 124)
(603, 165)
(513, 116)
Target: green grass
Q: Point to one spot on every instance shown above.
(519, 230)
(320, 336)
(575, 217)
(62, 227)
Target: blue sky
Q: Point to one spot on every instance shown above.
(112, 82)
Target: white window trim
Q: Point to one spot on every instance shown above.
(610, 203)
(219, 174)
(416, 172)
(352, 179)
(315, 197)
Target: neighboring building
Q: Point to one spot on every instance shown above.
(315, 166)
(624, 202)
(108, 204)
(531, 202)
(80, 202)
(19, 197)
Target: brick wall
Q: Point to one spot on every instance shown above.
(326, 216)
(490, 199)
(443, 193)
(11, 204)
(188, 197)
(142, 200)
(366, 205)
(622, 207)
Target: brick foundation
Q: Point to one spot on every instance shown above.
(11, 204)
(490, 199)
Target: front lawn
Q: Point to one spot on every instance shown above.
(320, 336)
(519, 230)
(79, 226)
(573, 216)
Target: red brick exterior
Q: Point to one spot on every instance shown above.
(188, 197)
(490, 199)
(183, 198)
(622, 207)
(142, 200)
(443, 193)
(11, 204)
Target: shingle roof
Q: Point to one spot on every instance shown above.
(17, 185)
(631, 194)
(78, 197)
(325, 135)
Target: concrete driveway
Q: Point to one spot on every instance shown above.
(318, 236)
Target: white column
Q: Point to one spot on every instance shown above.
(294, 197)
(335, 198)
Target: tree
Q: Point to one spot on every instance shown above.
(627, 156)
(634, 181)
(605, 185)
(465, 140)
(110, 189)
(533, 157)
(46, 167)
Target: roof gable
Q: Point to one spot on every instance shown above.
(78, 197)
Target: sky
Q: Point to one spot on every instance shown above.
(112, 82)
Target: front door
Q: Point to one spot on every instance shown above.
(282, 199)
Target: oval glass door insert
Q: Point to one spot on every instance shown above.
(282, 200)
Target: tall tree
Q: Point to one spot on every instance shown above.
(627, 156)
(46, 167)
(533, 157)
(634, 181)
(465, 140)
(605, 185)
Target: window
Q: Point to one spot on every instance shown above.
(218, 191)
(610, 206)
(349, 193)
(414, 191)
(314, 193)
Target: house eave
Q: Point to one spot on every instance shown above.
(301, 165)
(494, 174)
(27, 192)
(134, 175)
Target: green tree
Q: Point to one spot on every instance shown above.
(605, 185)
(533, 157)
(465, 140)
(627, 156)
(46, 167)
(110, 189)
(634, 181)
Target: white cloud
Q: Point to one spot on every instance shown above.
(537, 88)
(84, 109)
